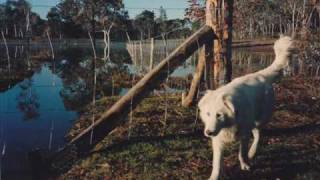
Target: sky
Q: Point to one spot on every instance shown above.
(174, 8)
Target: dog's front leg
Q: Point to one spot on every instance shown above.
(254, 146)
(217, 148)
(243, 153)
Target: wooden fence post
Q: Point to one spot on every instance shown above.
(227, 37)
(205, 61)
(219, 16)
(213, 19)
(217, 53)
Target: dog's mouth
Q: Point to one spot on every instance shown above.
(210, 133)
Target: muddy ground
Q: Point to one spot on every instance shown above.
(175, 148)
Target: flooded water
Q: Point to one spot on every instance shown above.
(40, 98)
(32, 116)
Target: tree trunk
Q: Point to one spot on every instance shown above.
(151, 54)
(105, 39)
(109, 42)
(93, 30)
(7, 49)
(293, 19)
(15, 31)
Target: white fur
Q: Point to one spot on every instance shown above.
(234, 111)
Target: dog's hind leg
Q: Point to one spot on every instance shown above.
(243, 153)
(254, 146)
(217, 148)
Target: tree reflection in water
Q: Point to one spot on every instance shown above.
(77, 75)
(28, 100)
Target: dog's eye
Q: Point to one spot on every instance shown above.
(219, 115)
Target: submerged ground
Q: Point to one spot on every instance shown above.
(175, 148)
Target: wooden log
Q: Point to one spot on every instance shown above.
(115, 116)
(188, 99)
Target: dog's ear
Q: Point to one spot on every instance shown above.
(204, 98)
(227, 101)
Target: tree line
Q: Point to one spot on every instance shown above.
(77, 18)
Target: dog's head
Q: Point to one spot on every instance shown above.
(217, 112)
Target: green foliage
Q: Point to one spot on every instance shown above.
(92, 15)
(145, 22)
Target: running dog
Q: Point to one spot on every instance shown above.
(234, 111)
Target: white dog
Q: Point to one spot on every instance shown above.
(236, 110)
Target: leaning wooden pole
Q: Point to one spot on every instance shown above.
(188, 98)
(115, 116)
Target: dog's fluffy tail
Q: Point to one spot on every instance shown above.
(282, 48)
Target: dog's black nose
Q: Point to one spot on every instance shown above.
(211, 133)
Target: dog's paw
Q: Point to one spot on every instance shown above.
(245, 167)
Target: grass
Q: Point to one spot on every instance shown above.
(176, 149)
